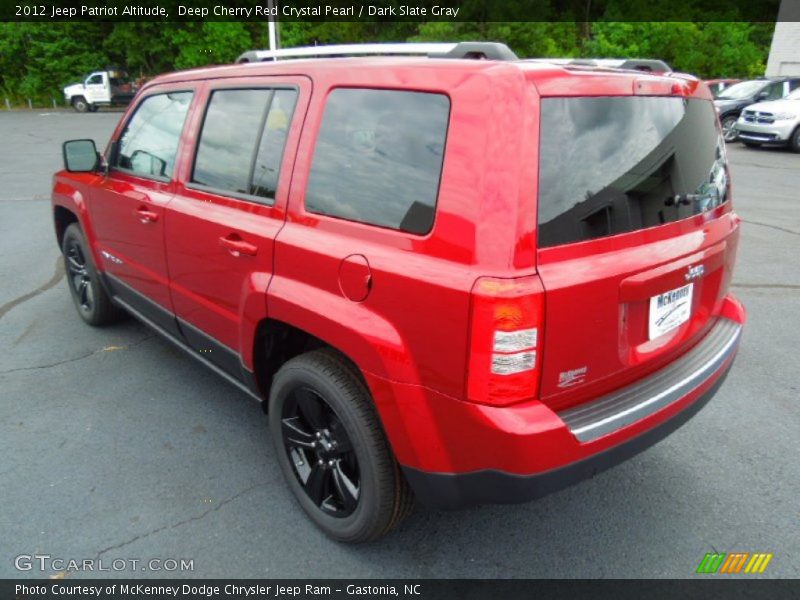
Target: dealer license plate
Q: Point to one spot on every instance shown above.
(669, 310)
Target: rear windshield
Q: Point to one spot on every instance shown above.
(611, 165)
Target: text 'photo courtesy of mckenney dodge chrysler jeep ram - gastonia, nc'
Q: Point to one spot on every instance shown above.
(459, 277)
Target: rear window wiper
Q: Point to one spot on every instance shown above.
(685, 199)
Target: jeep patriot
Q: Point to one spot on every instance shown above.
(459, 277)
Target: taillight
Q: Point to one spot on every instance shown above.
(506, 323)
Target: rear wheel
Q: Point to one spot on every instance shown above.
(729, 128)
(90, 297)
(332, 449)
(80, 104)
(794, 141)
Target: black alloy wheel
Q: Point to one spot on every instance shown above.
(321, 453)
(332, 449)
(80, 279)
(91, 299)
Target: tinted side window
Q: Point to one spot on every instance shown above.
(150, 141)
(378, 158)
(227, 142)
(237, 124)
(95, 79)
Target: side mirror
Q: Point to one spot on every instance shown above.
(80, 156)
(762, 95)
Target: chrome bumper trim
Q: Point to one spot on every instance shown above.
(609, 413)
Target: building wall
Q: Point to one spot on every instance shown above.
(784, 54)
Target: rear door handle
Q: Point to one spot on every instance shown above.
(145, 215)
(234, 244)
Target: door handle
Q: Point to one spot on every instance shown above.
(234, 244)
(146, 215)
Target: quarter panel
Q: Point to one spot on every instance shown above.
(416, 316)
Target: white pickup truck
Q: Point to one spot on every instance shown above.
(101, 88)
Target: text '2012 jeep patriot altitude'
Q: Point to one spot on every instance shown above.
(462, 280)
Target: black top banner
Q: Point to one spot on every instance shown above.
(425, 589)
(393, 10)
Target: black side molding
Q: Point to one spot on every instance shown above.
(173, 329)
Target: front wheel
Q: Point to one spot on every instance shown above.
(332, 449)
(90, 297)
(794, 141)
(80, 104)
(729, 132)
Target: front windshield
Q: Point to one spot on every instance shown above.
(745, 89)
(795, 95)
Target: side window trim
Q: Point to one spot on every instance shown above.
(112, 158)
(262, 124)
(200, 187)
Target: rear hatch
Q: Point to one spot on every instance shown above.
(636, 237)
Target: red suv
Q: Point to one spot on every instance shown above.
(463, 280)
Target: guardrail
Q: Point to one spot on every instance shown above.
(30, 103)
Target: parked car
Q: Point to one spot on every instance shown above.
(387, 253)
(732, 100)
(112, 87)
(718, 85)
(772, 123)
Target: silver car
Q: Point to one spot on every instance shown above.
(776, 122)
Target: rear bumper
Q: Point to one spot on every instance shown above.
(550, 452)
(442, 490)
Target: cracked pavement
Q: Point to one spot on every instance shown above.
(114, 444)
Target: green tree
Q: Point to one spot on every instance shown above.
(708, 50)
(528, 40)
(210, 43)
(38, 59)
(143, 47)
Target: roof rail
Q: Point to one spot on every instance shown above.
(636, 64)
(342, 50)
(487, 50)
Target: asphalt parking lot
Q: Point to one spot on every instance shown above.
(115, 445)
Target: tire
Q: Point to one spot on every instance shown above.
(729, 132)
(90, 297)
(332, 449)
(794, 140)
(80, 104)
(752, 144)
